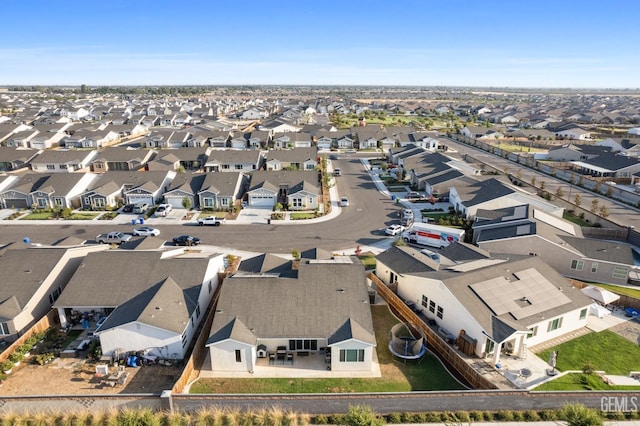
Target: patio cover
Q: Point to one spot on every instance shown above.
(600, 295)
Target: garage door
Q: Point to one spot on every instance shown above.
(133, 199)
(262, 200)
(175, 202)
(15, 203)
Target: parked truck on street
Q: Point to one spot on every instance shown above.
(432, 235)
(211, 220)
(113, 238)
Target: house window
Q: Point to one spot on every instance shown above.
(238, 355)
(489, 346)
(594, 267)
(296, 202)
(225, 167)
(577, 265)
(99, 202)
(87, 201)
(184, 339)
(425, 301)
(197, 311)
(42, 202)
(432, 306)
(63, 166)
(210, 287)
(440, 313)
(239, 167)
(208, 202)
(310, 200)
(51, 167)
(224, 201)
(309, 166)
(4, 328)
(620, 272)
(57, 202)
(533, 331)
(351, 355)
(583, 313)
(555, 324)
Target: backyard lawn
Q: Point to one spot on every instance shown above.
(427, 374)
(603, 351)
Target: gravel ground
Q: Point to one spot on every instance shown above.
(630, 330)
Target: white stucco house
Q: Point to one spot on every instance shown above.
(498, 304)
(153, 300)
(332, 316)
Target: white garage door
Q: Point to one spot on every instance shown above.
(176, 202)
(135, 199)
(262, 200)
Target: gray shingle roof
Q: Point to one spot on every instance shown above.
(610, 251)
(320, 300)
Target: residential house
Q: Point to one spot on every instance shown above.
(292, 140)
(12, 159)
(233, 161)
(568, 130)
(608, 165)
(278, 126)
(154, 301)
(523, 230)
(219, 191)
(121, 159)
(167, 138)
(117, 188)
(33, 279)
(432, 172)
(492, 306)
(294, 159)
(571, 152)
(469, 195)
(189, 159)
(51, 161)
(626, 146)
(337, 328)
(59, 191)
(259, 139)
(299, 190)
(482, 133)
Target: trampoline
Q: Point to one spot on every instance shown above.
(407, 342)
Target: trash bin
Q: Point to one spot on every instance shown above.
(141, 220)
(269, 221)
(393, 197)
(133, 221)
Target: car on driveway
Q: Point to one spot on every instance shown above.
(146, 231)
(162, 210)
(394, 230)
(128, 208)
(186, 240)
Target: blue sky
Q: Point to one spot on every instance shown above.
(516, 43)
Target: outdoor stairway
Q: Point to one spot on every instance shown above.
(559, 340)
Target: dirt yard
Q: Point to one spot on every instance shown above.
(72, 376)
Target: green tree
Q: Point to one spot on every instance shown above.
(186, 203)
(576, 414)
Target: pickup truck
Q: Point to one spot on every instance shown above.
(211, 220)
(113, 238)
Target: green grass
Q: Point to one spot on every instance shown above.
(84, 216)
(396, 376)
(575, 219)
(580, 381)
(299, 216)
(518, 148)
(44, 215)
(605, 351)
(369, 262)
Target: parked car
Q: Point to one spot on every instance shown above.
(433, 255)
(394, 230)
(146, 231)
(141, 208)
(337, 172)
(162, 210)
(128, 208)
(407, 213)
(406, 221)
(344, 202)
(186, 240)
(211, 220)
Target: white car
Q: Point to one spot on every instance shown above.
(344, 202)
(394, 230)
(162, 210)
(146, 231)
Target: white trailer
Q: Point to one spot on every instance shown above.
(432, 235)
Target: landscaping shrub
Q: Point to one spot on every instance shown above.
(320, 419)
(504, 416)
(531, 416)
(548, 415)
(394, 418)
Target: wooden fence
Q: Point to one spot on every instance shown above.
(46, 322)
(445, 352)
